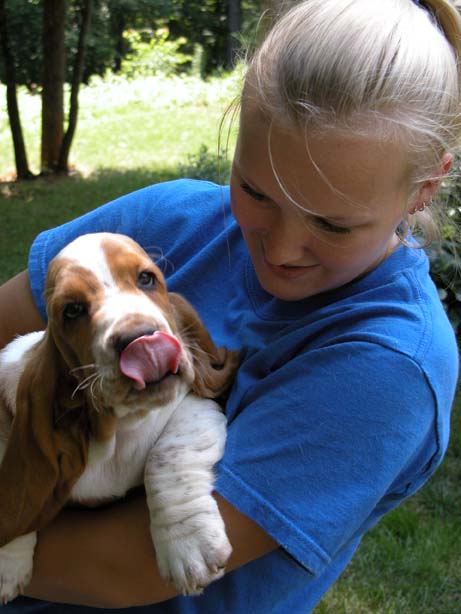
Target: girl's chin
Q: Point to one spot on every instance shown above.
(289, 287)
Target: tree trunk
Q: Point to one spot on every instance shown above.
(79, 64)
(22, 165)
(118, 26)
(234, 20)
(54, 67)
(216, 53)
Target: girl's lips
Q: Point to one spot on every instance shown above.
(289, 272)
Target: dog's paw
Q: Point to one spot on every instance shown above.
(192, 554)
(16, 560)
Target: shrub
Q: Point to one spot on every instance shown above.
(207, 166)
(152, 53)
(445, 256)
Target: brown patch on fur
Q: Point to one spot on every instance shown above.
(49, 436)
(126, 261)
(214, 367)
(6, 418)
(69, 283)
(47, 446)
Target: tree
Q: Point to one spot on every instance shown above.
(86, 12)
(55, 144)
(54, 72)
(234, 14)
(22, 165)
(81, 38)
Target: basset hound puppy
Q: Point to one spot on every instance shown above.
(115, 393)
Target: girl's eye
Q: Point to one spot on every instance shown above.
(329, 227)
(320, 222)
(146, 280)
(249, 190)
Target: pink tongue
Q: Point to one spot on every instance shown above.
(149, 358)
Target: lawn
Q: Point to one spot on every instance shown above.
(131, 134)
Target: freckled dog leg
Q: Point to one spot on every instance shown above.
(186, 527)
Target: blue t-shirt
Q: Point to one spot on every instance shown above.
(341, 405)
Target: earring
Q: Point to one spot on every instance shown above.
(420, 207)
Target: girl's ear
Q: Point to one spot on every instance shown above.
(214, 367)
(429, 188)
(47, 446)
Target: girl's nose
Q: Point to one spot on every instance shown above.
(286, 242)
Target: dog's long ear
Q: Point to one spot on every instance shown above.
(214, 366)
(47, 446)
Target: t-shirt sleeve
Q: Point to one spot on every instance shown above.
(322, 446)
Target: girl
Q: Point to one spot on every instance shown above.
(349, 117)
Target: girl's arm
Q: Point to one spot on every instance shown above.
(105, 558)
(18, 313)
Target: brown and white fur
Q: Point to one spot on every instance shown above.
(73, 427)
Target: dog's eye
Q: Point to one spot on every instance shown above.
(146, 280)
(72, 311)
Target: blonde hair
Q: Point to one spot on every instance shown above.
(389, 68)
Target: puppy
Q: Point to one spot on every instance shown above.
(115, 393)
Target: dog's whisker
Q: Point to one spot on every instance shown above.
(85, 383)
(186, 329)
(97, 380)
(199, 350)
(90, 365)
(158, 256)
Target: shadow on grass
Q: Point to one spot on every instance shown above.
(27, 208)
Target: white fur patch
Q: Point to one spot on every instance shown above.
(87, 252)
(16, 560)
(12, 364)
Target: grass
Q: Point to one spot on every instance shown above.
(131, 134)
(127, 125)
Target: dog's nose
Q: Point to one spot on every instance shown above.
(122, 340)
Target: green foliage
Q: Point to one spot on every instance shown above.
(199, 26)
(105, 48)
(203, 23)
(207, 166)
(24, 19)
(153, 53)
(445, 256)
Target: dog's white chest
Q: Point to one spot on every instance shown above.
(116, 467)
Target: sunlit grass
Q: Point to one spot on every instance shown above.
(143, 123)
